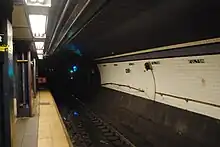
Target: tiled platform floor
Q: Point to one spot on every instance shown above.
(43, 130)
(50, 132)
(26, 132)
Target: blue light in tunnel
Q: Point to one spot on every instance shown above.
(74, 48)
(76, 113)
(71, 71)
(75, 68)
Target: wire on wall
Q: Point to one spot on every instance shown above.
(148, 66)
(155, 87)
(128, 86)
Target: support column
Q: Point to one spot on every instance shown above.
(23, 80)
(6, 83)
(30, 85)
(25, 98)
(6, 74)
(34, 77)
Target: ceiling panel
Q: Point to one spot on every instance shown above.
(130, 25)
(19, 17)
(20, 23)
(22, 34)
(53, 17)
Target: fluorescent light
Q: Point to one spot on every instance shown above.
(39, 45)
(40, 56)
(44, 3)
(38, 25)
(41, 1)
(40, 52)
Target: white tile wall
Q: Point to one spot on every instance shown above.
(174, 76)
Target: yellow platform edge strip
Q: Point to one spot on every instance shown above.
(62, 123)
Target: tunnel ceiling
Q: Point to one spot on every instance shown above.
(131, 25)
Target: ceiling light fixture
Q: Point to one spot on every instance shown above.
(38, 25)
(40, 52)
(44, 3)
(37, 1)
(40, 56)
(41, 1)
(39, 45)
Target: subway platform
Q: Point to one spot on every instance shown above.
(45, 128)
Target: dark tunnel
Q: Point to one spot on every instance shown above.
(70, 75)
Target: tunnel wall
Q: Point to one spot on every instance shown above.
(189, 83)
(174, 104)
(152, 124)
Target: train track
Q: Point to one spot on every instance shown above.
(85, 127)
(76, 130)
(112, 135)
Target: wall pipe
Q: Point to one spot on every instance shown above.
(187, 99)
(86, 23)
(80, 12)
(29, 73)
(128, 86)
(165, 94)
(59, 22)
(34, 78)
(23, 80)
